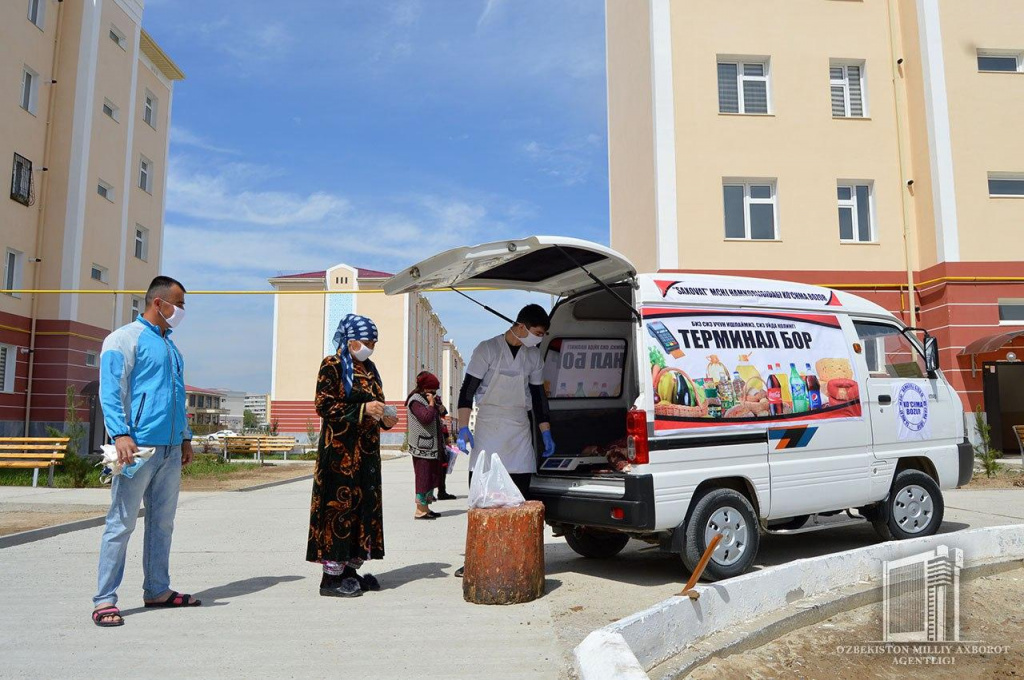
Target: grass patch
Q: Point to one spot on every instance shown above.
(210, 465)
(203, 465)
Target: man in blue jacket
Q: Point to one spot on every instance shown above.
(142, 391)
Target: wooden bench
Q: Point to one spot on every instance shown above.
(1019, 431)
(257, 446)
(33, 452)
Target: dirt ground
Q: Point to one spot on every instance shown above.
(243, 479)
(991, 616)
(1011, 478)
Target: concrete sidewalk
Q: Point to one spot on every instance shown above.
(243, 555)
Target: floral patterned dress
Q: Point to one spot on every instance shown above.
(345, 517)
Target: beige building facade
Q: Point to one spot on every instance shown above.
(872, 145)
(86, 95)
(306, 316)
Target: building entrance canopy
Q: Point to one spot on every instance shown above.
(990, 343)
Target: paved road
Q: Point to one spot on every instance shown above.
(242, 554)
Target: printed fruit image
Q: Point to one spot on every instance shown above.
(676, 394)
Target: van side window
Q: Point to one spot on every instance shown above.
(888, 352)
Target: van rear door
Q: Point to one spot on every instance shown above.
(555, 265)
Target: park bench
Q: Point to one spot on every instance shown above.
(1019, 431)
(257, 446)
(33, 452)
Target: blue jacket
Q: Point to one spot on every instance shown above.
(142, 386)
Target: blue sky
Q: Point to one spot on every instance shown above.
(373, 133)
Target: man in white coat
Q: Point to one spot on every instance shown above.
(505, 378)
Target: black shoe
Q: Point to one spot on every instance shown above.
(340, 587)
(367, 582)
(446, 497)
(459, 572)
(433, 514)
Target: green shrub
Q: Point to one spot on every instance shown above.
(984, 451)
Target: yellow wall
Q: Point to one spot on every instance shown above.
(298, 341)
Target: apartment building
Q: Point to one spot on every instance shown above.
(453, 371)
(85, 96)
(306, 316)
(205, 408)
(871, 145)
(259, 405)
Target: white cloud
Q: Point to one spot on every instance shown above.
(184, 137)
(568, 162)
(491, 7)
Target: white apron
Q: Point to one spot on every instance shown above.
(502, 425)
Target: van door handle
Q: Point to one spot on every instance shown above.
(884, 399)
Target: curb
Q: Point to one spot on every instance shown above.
(636, 644)
(32, 535)
(270, 485)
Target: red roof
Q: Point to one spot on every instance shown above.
(189, 388)
(362, 273)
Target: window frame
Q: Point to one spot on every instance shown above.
(25, 198)
(39, 20)
(747, 183)
(95, 359)
(878, 341)
(150, 104)
(141, 239)
(145, 174)
(118, 37)
(28, 97)
(137, 307)
(115, 110)
(1015, 302)
(9, 360)
(740, 62)
(1016, 55)
(13, 276)
(108, 190)
(104, 273)
(852, 204)
(845, 64)
(1006, 176)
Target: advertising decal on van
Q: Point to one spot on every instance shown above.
(680, 291)
(725, 368)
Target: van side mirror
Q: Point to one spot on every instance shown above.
(931, 354)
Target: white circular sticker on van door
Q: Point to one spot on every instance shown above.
(912, 411)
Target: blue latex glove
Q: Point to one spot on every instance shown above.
(549, 444)
(465, 440)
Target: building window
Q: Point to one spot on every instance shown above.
(37, 12)
(21, 180)
(91, 359)
(12, 271)
(743, 86)
(149, 109)
(146, 174)
(112, 111)
(750, 210)
(1006, 184)
(141, 243)
(855, 223)
(8, 358)
(1011, 312)
(118, 37)
(847, 86)
(105, 190)
(138, 305)
(29, 89)
(1007, 62)
(98, 273)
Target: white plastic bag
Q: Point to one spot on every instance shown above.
(112, 468)
(493, 487)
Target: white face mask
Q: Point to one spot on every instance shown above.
(361, 354)
(530, 340)
(175, 318)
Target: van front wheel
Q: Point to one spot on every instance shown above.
(729, 513)
(596, 544)
(914, 507)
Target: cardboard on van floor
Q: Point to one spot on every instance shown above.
(844, 646)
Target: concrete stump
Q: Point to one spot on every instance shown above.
(505, 555)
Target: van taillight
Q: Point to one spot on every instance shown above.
(636, 437)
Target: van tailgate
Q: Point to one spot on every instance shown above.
(621, 501)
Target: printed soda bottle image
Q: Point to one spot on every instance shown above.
(774, 393)
(738, 386)
(813, 388)
(563, 391)
(787, 395)
(580, 394)
(799, 390)
(604, 389)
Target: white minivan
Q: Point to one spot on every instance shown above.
(686, 406)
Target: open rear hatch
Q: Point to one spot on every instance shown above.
(555, 265)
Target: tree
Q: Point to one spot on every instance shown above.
(75, 465)
(273, 427)
(312, 436)
(983, 451)
(249, 420)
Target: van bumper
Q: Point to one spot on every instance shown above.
(966, 452)
(566, 506)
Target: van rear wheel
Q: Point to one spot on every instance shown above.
(594, 543)
(914, 508)
(726, 512)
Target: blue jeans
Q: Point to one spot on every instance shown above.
(157, 483)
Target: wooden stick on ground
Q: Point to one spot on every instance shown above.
(695, 576)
